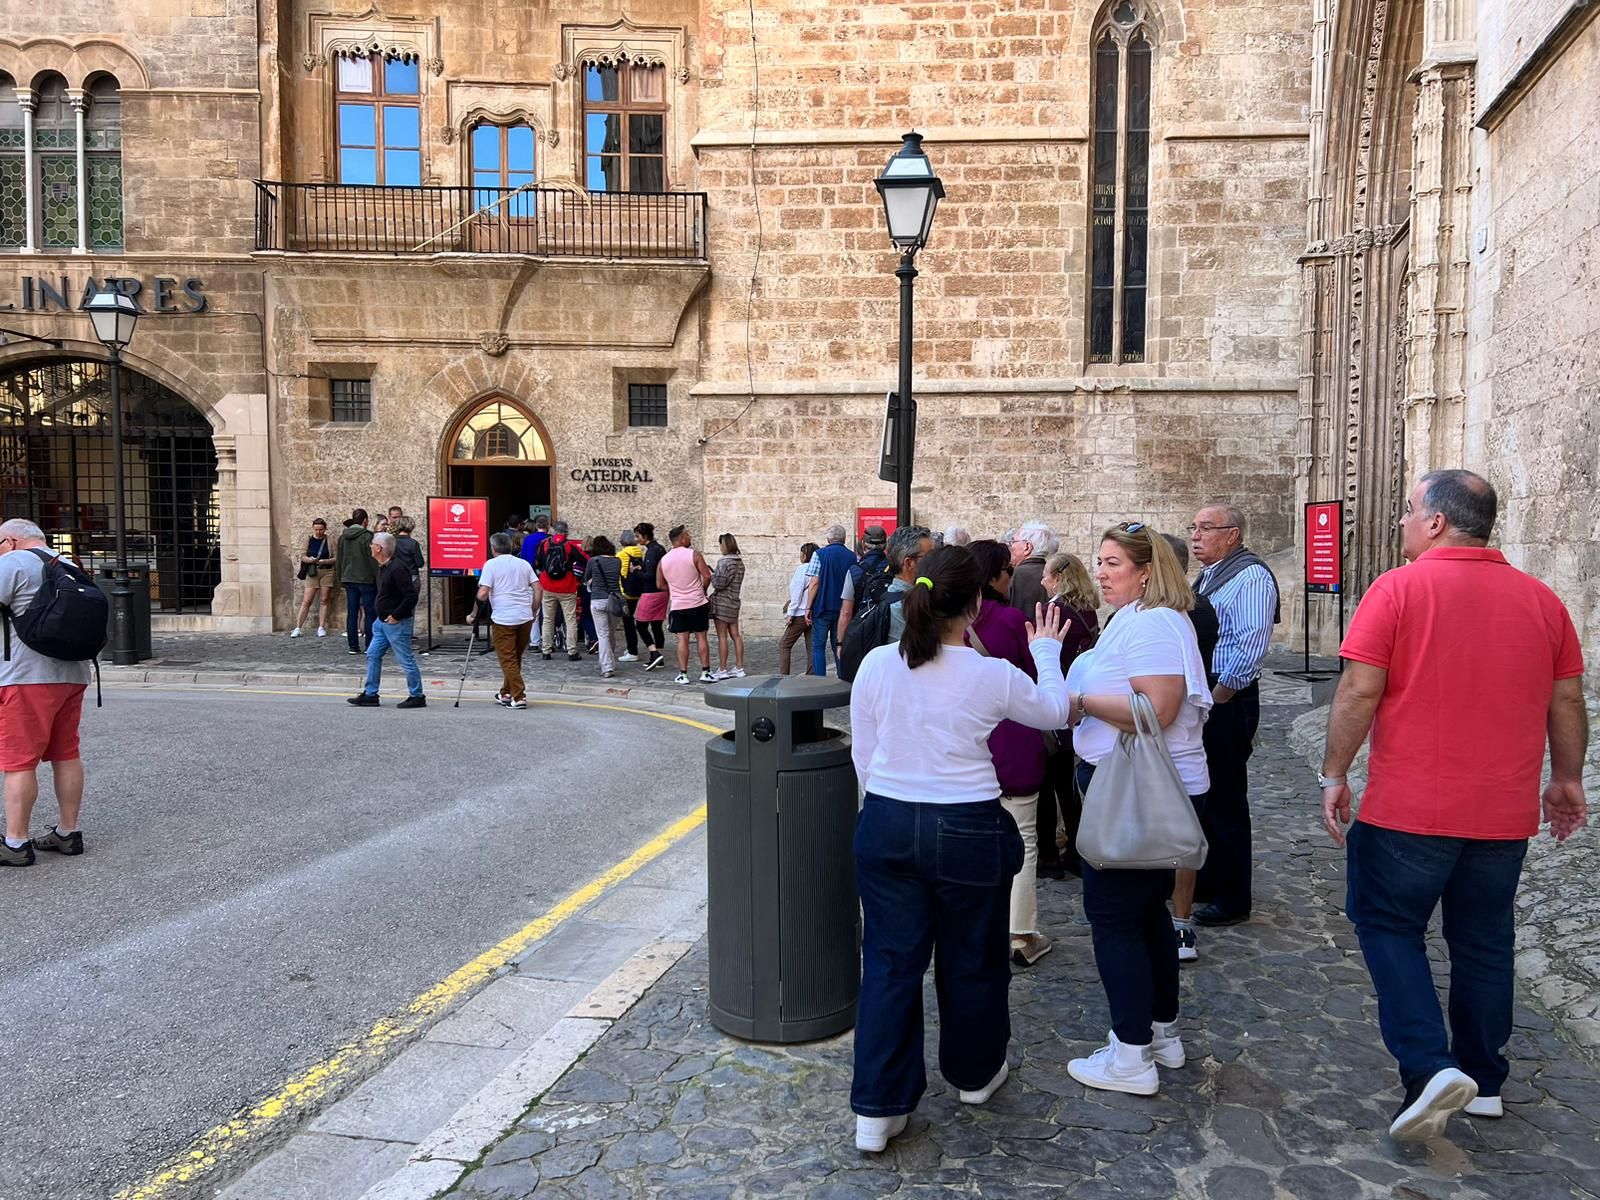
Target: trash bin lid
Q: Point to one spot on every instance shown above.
(798, 693)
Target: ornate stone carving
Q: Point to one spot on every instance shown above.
(362, 47)
(436, 66)
(447, 135)
(553, 137)
(493, 343)
(622, 56)
(311, 60)
(683, 74)
(561, 72)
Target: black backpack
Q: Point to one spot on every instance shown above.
(868, 630)
(556, 560)
(67, 617)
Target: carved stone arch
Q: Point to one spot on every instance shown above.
(74, 61)
(169, 370)
(470, 408)
(1163, 19)
(493, 114)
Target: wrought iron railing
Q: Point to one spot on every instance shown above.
(348, 218)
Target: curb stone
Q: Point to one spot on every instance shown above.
(442, 1157)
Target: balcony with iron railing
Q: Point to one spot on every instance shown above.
(334, 218)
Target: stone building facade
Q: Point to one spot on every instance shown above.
(483, 248)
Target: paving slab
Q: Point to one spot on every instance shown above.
(319, 1166)
(415, 1093)
(511, 1011)
(582, 951)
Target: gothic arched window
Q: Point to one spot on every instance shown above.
(1119, 206)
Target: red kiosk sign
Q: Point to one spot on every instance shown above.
(458, 534)
(875, 516)
(1325, 546)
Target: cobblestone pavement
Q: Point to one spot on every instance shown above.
(1286, 1097)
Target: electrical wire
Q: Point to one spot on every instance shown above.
(755, 266)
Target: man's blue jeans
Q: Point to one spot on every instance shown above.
(398, 638)
(931, 877)
(824, 629)
(1394, 881)
(359, 597)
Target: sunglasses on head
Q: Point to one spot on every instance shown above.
(1132, 527)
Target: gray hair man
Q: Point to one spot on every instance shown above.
(505, 584)
(955, 535)
(1241, 588)
(1030, 544)
(43, 701)
(1462, 668)
(908, 546)
(828, 571)
(396, 609)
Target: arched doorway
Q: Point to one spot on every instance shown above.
(56, 468)
(497, 449)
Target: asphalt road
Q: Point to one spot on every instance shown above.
(267, 875)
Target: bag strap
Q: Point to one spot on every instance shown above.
(977, 642)
(1144, 715)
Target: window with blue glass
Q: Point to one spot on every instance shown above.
(379, 121)
(502, 161)
(624, 127)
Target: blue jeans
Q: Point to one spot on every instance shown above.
(825, 629)
(386, 637)
(1394, 882)
(359, 597)
(931, 876)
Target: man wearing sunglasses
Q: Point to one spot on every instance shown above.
(41, 702)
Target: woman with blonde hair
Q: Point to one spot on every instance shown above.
(1149, 647)
(1066, 581)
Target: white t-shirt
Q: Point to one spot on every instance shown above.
(923, 735)
(510, 583)
(797, 591)
(1146, 641)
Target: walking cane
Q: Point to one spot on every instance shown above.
(468, 660)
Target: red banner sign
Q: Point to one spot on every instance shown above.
(875, 516)
(458, 534)
(1325, 546)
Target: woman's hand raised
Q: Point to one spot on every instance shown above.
(1048, 622)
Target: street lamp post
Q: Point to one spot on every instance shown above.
(911, 192)
(114, 316)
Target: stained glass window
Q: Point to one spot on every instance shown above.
(103, 139)
(499, 430)
(1119, 206)
(13, 182)
(55, 144)
(624, 128)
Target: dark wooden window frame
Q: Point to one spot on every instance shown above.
(625, 106)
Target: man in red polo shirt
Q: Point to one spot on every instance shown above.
(1461, 666)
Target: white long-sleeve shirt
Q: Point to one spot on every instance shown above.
(923, 735)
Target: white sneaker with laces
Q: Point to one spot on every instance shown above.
(682, 678)
(708, 677)
(981, 1096)
(735, 673)
(1116, 1067)
(873, 1133)
(627, 658)
(321, 632)
(1166, 1047)
(1486, 1106)
(295, 632)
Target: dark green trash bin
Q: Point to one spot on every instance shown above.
(783, 918)
(139, 610)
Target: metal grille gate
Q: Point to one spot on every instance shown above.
(56, 469)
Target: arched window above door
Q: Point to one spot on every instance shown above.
(499, 430)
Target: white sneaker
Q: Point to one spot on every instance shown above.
(708, 677)
(1166, 1047)
(873, 1133)
(1118, 1068)
(1028, 948)
(682, 678)
(718, 676)
(295, 632)
(1448, 1092)
(1486, 1106)
(981, 1096)
(321, 632)
(627, 658)
(734, 673)
(1188, 951)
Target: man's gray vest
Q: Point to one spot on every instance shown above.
(1221, 573)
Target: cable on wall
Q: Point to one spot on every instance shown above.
(755, 265)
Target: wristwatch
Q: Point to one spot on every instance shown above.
(1328, 781)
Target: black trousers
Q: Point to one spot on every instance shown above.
(630, 631)
(1229, 733)
(1059, 807)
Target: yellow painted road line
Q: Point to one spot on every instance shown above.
(316, 1084)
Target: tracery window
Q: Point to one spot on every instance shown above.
(61, 188)
(378, 101)
(498, 430)
(1119, 208)
(624, 127)
(103, 164)
(55, 149)
(13, 167)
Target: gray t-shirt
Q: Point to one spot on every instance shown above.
(21, 573)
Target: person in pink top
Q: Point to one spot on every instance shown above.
(682, 575)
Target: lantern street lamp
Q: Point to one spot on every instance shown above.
(114, 316)
(911, 193)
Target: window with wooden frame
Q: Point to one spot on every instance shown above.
(1119, 205)
(624, 127)
(503, 158)
(377, 102)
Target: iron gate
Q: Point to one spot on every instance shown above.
(56, 469)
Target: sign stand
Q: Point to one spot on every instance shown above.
(458, 541)
(1324, 551)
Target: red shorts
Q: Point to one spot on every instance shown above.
(39, 723)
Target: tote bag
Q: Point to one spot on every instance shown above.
(1137, 814)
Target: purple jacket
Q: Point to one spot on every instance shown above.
(1017, 751)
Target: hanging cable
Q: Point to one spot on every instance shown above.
(755, 265)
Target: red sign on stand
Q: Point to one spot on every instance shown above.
(1325, 546)
(458, 534)
(875, 516)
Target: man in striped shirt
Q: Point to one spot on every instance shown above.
(1242, 590)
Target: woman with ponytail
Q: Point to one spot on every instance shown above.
(935, 851)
